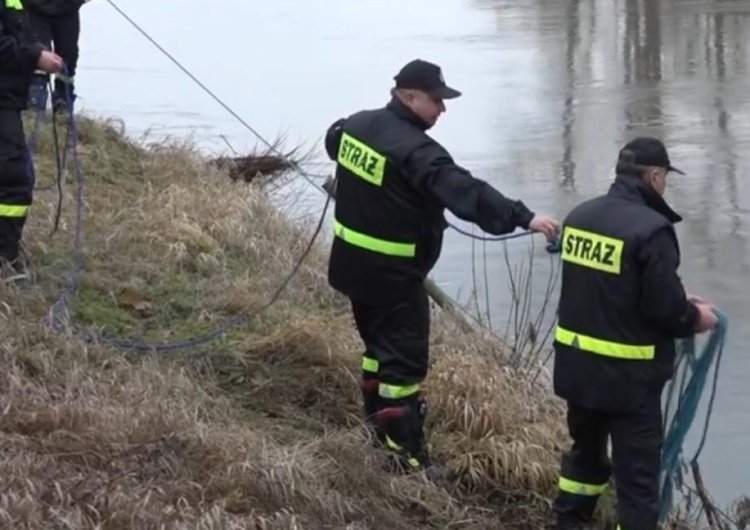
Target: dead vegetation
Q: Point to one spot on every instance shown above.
(249, 167)
(260, 429)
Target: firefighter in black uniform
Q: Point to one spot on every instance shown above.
(19, 57)
(393, 182)
(57, 25)
(622, 305)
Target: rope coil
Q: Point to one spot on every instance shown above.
(686, 389)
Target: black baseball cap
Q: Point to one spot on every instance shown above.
(423, 75)
(647, 151)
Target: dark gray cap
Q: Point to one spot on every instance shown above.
(423, 75)
(647, 151)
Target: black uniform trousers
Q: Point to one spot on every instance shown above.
(396, 337)
(394, 364)
(637, 438)
(59, 33)
(16, 183)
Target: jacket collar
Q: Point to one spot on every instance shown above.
(631, 187)
(405, 113)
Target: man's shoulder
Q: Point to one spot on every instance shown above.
(367, 114)
(585, 207)
(386, 128)
(368, 123)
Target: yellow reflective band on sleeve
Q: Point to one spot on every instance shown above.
(391, 248)
(370, 365)
(14, 4)
(361, 160)
(580, 488)
(604, 347)
(592, 250)
(397, 391)
(13, 210)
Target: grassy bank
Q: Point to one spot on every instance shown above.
(258, 430)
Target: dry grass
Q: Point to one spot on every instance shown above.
(258, 430)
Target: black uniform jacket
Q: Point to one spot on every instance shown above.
(393, 183)
(19, 55)
(622, 303)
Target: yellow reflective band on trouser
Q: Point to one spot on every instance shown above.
(605, 347)
(14, 4)
(13, 210)
(581, 488)
(592, 250)
(361, 159)
(370, 365)
(397, 391)
(382, 246)
(413, 462)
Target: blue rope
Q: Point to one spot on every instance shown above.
(553, 247)
(695, 370)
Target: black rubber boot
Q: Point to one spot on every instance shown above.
(403, 425)
(371, 405)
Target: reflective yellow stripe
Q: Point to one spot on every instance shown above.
(397, 391)
(580, 488)
(361, 159)
(592, 250)
(413, 462)
(13, 210)
(604, 347)
(370, 365)
(392, 248)
(14, 4)
(68, 80)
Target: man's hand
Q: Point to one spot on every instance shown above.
(546, 225)
(707, 319)
(50, 62)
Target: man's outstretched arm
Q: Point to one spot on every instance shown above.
(432, 170)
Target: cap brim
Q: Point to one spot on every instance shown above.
(445, 93)
(675, 170)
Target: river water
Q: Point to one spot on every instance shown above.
(551, 91)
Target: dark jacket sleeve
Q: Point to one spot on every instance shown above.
(433, 171)
(333, 138)
(18, 56)
(663, 299)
